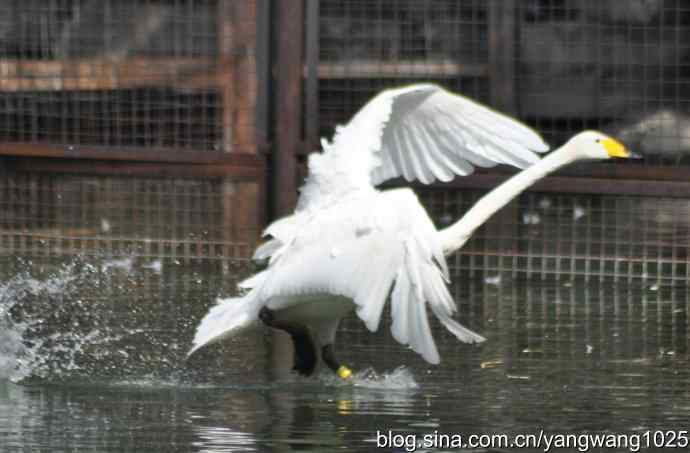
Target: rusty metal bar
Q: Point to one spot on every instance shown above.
(614, 171)
(627, 171)
(248, 167)
(140, 154)
(403, 69)
(263, 70)
(585, 185)
(241, 112)
(311, 71)
(227, 28)
(106, 74)
(287, 74)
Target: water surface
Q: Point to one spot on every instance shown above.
(92, 359)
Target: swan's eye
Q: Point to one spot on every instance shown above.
(597, 140)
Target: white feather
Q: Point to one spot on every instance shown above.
(228, 317)
(348, 241)
(421, 132)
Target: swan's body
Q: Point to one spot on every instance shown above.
(349, 246)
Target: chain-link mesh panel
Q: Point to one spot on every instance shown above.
(367, 46)
(136, 73)
(620, 66)
(614, 65)
(561, 235)
(118, 216)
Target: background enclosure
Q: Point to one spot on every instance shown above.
(165, 127)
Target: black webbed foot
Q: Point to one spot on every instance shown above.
(305, 351)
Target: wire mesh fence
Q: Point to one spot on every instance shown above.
(564, 235)
(365, 47)
(403, 32)
(118, 79)
(185, 219)
(620, 66)
(143, 74)
(152, 117)
(126, 73)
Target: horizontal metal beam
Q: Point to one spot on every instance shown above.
(255, 170)
(577, 184)
(243, 155)
(613, 170)
(107, 74)
(368, 69)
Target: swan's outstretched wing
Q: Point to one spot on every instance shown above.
(366, 248)
(421, 132)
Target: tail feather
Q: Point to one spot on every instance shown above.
(461, 332)
(229, 317)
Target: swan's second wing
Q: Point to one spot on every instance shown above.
(421, 132)
(433, 134)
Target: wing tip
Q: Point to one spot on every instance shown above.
(541, 146)
(194, 349)
(477, 339)
(434, 360)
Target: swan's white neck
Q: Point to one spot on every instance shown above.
(455, 236)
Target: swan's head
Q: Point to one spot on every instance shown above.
(595, 145)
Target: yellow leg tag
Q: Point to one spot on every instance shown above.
(344, 372)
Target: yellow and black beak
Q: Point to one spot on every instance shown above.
(616, 149)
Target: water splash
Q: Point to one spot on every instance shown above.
(400, 378)
(51, 326)
(17, 357)
(156, 266)
(125, 264)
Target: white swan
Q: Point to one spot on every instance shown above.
(349, 246)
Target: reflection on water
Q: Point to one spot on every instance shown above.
(92, 359)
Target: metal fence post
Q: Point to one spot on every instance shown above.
(287, 113)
